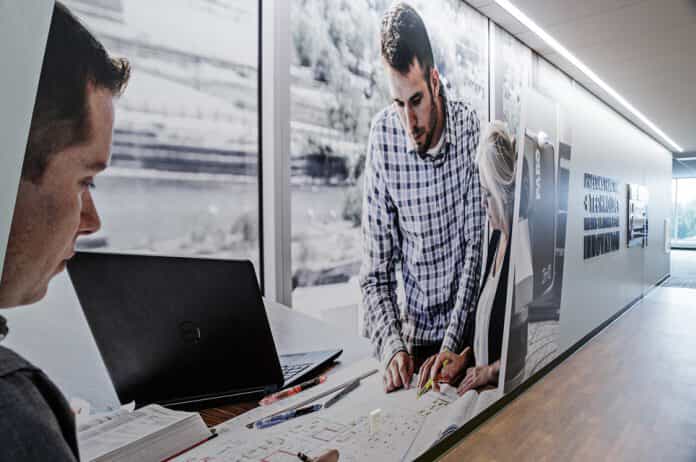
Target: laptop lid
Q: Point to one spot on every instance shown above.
(176, 330)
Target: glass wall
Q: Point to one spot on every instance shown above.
(684, 227)
(184, 166)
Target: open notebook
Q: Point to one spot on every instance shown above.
(152, 433)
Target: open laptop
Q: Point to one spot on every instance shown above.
(183, 332)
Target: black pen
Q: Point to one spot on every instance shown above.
(350, 387)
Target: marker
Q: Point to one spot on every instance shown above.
(315, 397)
(270, 399)
(429, 384)
(285, 416)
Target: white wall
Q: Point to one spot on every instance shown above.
(23, 32)
(606, 144)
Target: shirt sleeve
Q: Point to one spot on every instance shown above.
(464, 313)
(382, 324)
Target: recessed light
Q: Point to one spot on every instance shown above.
(563, 51)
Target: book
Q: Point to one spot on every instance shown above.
(150, 434)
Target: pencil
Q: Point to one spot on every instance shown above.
(429, 384)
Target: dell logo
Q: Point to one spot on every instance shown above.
(190, 332)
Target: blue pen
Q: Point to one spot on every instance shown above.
(285, 416)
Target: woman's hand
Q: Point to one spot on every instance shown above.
(433, 368)
(479, 376)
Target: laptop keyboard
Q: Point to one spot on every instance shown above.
(290, 370)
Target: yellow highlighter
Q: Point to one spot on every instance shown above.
(429, 384)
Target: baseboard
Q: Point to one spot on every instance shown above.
(456, 438)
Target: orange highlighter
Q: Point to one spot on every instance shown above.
(270, 399)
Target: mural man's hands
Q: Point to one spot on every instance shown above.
(398, 373)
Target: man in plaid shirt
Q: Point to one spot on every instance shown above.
(422, 207)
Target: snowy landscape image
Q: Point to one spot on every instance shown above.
(183, 176)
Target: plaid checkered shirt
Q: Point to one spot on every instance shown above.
(424, 212)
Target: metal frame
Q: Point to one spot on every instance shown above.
(274, 142)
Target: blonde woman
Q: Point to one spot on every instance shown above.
(496, 162)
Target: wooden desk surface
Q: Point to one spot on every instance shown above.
(295, 332)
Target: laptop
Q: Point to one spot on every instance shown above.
(184, 332)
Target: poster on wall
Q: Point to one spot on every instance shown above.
(601, 223)
(539, 239)
(637, 219)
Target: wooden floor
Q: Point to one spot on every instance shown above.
(628, 395)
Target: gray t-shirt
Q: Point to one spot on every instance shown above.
(36, 423)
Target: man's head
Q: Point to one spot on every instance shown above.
(69, 144)
(414, 83)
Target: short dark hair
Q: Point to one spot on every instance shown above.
(404, 37)
(73, 59)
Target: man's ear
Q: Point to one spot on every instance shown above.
(435, 81)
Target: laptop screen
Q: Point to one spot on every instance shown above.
(172, 329)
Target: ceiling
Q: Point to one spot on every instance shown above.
(644, 49)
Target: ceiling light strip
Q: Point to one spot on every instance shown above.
(563, 51)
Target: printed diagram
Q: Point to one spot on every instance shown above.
(435, 406)
(398, 429)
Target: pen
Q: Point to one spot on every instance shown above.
(270, 399)
(316, 396)
(285, 416)
(429, 384)
(350, 387)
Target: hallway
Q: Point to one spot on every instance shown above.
(683, 269)
(628, 394)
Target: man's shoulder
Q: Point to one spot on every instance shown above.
(11, 362)
(385, 119)
(28, 431)
(461, 111)
(18, 379)
(30, 428)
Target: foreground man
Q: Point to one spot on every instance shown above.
(422, 209)
(69, 144)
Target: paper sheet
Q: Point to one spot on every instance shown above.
(344, 426)
(446, 421)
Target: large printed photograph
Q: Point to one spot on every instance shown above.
(338, 84)
(420, 220)
(412, 195)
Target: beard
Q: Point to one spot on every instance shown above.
(432, 124)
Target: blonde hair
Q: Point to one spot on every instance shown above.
(496, 161)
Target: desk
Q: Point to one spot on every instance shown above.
(295, 332)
